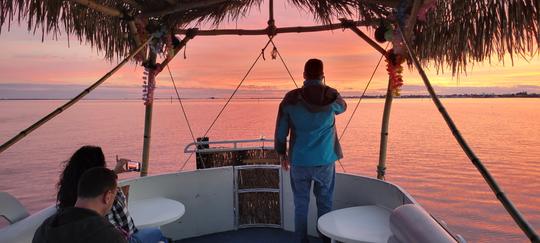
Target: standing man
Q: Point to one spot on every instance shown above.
(309, 114)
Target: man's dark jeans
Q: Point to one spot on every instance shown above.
(323, 178)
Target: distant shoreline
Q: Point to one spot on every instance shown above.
(481, 96)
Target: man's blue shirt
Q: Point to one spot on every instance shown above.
(308, 114)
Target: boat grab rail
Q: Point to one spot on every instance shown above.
(235, 147)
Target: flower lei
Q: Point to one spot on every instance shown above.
(395, 71)
(386, 32)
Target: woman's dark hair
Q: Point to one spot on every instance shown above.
(83, 159)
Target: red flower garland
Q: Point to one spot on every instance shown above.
(395, 70)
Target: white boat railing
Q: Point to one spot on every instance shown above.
(234, 145)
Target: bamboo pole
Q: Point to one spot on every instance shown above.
(64, 107)
(490, 180)
(149, 106)
(350, 24)
(271, 20)
(100, 8)
(181, 7)
(135, 34)
(148, 110)
(297, 29)
(381, 168)
(189, 35)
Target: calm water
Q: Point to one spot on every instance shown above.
(423, 156)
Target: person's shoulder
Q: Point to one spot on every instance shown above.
(39, 235)
(107, 233)
(331, 90)
(294, 92)
(292, 96)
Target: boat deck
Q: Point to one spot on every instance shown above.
(259, 235)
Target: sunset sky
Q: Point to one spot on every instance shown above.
(214, 65)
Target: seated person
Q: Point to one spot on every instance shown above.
(85, 222)
(88, 157)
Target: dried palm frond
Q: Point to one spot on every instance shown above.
(455, 34)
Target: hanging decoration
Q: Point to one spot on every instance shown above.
(149, 84)
(395, 71)
(381, 33)
(161, 40)
(161, 43)
(274, 53)
(392, 32)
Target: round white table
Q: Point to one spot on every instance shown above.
(357, 224)
(155, 212)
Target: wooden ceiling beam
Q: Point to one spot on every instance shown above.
(298, 29)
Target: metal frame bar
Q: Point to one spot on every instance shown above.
(211, 150)
(243, 167)
(233, 142)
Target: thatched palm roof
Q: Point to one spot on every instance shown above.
(456, 31)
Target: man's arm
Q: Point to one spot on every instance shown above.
(339, 106)
(281, 133)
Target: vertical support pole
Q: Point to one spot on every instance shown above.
(271, 22)
(271, 10)
(387, 103)
(381, 168)
(149, 106)
(148, 123)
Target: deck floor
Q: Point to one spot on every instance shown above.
(259, 235)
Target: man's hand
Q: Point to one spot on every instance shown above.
(284, 161)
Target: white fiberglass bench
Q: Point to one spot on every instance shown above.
(369, 224)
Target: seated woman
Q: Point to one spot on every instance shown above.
(88, 157)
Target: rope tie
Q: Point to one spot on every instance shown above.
(261, 54)
(283, 61)
(239, 85)
(358, 104)
(181, 105)
(362, 96)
